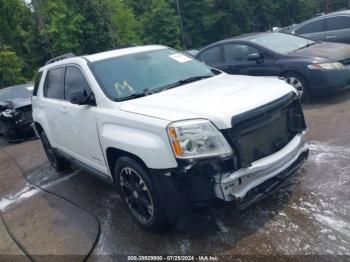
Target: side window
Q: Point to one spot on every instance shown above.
(211, 55)
(75, 81)
(238, 52)
(313, 27)
(37, 82)
(337, 23)
(54, 87)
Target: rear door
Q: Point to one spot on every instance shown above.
(315, 30)
(338, 29)
(79, 135)
(51, 102)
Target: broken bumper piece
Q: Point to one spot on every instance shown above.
(277, 167)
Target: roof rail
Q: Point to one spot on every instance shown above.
(59, 58)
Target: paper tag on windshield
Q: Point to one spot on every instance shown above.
(180, 58)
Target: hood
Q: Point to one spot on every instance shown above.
(20, 102)
(218, 99)
(329, 51)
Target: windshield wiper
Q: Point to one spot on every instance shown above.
(183, 81)
(144, 92)
(306, 46)
(148, 91)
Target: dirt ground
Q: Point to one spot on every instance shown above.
(309, 216)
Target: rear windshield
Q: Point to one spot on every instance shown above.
(15, 92)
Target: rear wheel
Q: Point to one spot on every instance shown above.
(139, 195)
(300, 84)
(59, 163)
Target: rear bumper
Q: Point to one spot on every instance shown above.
(236, 185)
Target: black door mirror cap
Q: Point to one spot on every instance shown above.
(80, 97)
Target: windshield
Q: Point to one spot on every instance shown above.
(15, 92)
(123, 76)
(282, 43)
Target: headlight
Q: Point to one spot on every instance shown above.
(8, 113)
(197, 139)
(326, 66)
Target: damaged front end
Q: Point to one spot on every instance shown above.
(268, 148)
(16, 120)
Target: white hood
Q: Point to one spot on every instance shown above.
(217, 98)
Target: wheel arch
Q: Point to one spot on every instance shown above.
(38, 127)
(292, 71)
(113, 154)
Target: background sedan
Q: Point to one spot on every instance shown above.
(332, 27)
(311, 67)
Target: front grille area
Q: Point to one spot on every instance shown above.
(265, 130)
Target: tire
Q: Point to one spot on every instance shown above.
(59, 163)
(139, 195)
(5, 131)
(300, 84)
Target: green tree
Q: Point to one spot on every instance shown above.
(139, 7)
(124, 22)
(161, 25)
(11, 67)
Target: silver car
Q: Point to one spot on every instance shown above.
(332, 27)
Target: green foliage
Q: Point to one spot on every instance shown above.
(36, 32)
(125, 24)
(161, 25)
(10, 68)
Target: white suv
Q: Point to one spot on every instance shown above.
(170, 132)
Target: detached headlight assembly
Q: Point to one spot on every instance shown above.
(326, 66)
(193, 139)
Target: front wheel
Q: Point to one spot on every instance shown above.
(139, 195)
(59, 163)
(300, 84)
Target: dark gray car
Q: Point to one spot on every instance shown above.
(332, 27)
(311, 67)
(16, 112)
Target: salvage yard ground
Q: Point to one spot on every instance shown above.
(308, 216)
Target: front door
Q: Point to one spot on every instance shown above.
(79, 134)
(236, 61)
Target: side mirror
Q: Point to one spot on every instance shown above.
(257, 57)
(80, 97)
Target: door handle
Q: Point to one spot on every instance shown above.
(63, 110)
(331, 36)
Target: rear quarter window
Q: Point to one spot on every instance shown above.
(338, 23)
(312, 27)
(54, 84)
(37, 82)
